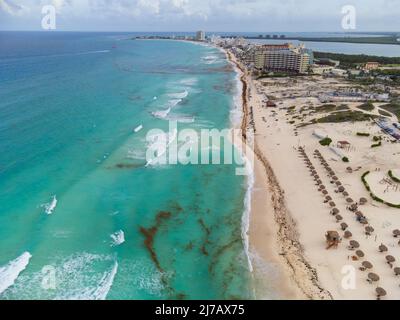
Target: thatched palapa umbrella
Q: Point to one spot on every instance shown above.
(396, 271)
(367, 265)
(341, 189)
(345, 193)
(390, 259)
(360, 254)
(369, 230)
(373, 277)
(324, 192)
(359, 214)
(332, 204)
(363, 201)
(347, 234)
(349, 200)
(396, 233)
(380, 292)
(335, 211)
(354, 244)
(344, 226)
(339, 218)
(353, 207)
(383, 248)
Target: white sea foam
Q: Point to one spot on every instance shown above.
(181, 118)
(210, 59)
(174, 102)
(179, 95)
(92, 52)
(247, 209)
(162, 114)
(99, 292)
(161, 143)
(189, 82)
(236, 119)
(10, 272)
(117, 238)
(50, 206)
(136, 154)
(78, 278)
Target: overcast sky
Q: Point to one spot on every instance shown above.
(209, 15)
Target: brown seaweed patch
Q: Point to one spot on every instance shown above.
(203, 250)
(150, 234)
(204, 227)
(126, 166)
(226, 68)
(219, 252)
(181, 296)
(175, 206)
(135, 98)
(189, 246)
(206, 241)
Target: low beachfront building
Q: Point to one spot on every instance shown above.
(371, 66)
(339, 72)
(321, 70)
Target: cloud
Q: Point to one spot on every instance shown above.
(11, 8)
(213, 15)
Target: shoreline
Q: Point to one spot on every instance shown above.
(296, 277)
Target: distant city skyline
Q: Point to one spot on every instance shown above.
(208, 15)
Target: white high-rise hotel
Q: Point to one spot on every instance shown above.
(285, 57)
(200, 36)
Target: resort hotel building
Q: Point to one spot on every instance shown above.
(283, 57)
(200, 36)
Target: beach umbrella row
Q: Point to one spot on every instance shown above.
(396, 233)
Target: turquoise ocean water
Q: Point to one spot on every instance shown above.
(68, 106)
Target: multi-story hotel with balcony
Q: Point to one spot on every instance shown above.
(285, 57)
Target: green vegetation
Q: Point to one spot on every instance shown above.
(377, 144)
(325, 108)
(325, 142)
(392, 176)
(387, 72)
(351, 60)
(385, 113)
(372, 40)
(345, 159)
(362, 134)
(278, 75)
(393, 107)
(368, 106)
(344, 116)
(373, 196)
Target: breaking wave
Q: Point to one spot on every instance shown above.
(10, 272)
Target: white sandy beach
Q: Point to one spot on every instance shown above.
(289, 218)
